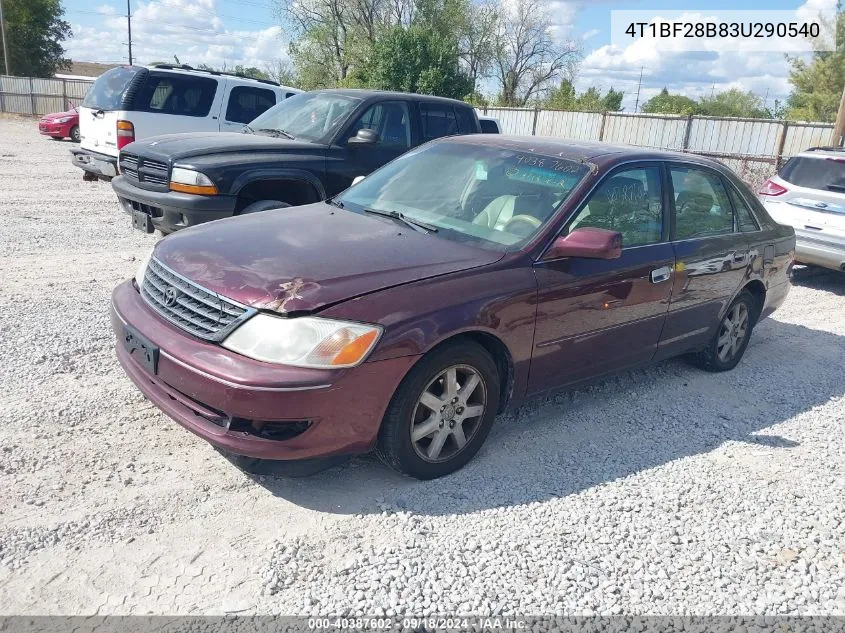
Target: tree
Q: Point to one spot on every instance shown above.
(733, 103)
(34, 33)
(527, 56)
(420, 60)
(282, 71)
(592, 100)
(476, 40)
(665, 103)
(817, 85)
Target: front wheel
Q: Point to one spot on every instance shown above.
(74, 134)
(263, 205)
(728, 344)
(442, 412)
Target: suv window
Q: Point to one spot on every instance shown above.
(489, 127)
(744, 218)
(181, 95)
(246, 103)
(816, 173)
(702, 207)
(629, 201)
(389, 120)
(437, 120)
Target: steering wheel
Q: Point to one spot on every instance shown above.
(530, 220)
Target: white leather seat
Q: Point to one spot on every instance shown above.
(497, 213)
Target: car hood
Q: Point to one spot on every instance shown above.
(187, 145)
(306, 258)
(59, 115)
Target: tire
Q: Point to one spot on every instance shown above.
(74, 134)
(713, 357)
(406, 412)
(263, 205)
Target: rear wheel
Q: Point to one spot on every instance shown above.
(263, 205)
(74, 134)
(728, 344)
(441, 413)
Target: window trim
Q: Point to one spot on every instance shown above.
(655, 164)
(732, 188)
(673, 237)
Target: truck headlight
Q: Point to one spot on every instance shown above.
(190, 181)
(304, 341)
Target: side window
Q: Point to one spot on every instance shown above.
(702, 207)
(489, 127)
(181, 95)
(437, 120)
(630, 202)
(246, 103)
(389, 120)
(466, 121)
(744, 219)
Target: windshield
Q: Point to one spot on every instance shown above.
(310, 115)
(497, 197)
(107, 92)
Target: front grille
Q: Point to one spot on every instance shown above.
(194, 309)
(142, 169)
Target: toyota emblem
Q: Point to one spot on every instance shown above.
(171, 296)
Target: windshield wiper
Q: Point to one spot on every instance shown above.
(247, 130)
(275, 132)
(836, 187)
(417, 225)
(335, 203)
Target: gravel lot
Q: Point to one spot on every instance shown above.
(664, 491)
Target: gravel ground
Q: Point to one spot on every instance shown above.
(663, 491)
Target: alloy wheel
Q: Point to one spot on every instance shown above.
(732, 332)
(448, 413)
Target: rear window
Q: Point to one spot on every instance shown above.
(815, 173)
(466, 120)
(182, 95)
(437, 120)
(107, 92)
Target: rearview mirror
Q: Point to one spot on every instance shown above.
(365, 136)
(588, 242)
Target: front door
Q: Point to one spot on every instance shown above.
(711, 256)
(597, 316)
(390, 121)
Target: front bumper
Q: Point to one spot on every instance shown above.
(56, 130)
(171, 210)
(820, 250)
(101, 165)
(197, 380)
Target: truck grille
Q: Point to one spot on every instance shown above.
(142, 169)
(194, 309)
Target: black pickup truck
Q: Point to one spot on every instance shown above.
(304, 149)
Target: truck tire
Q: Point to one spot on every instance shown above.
(263, 205)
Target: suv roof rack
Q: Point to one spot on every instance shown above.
(823, 148)
(214, 72)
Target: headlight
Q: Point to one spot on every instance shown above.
(63, 119)
(142, 269)
(304, 341)
(190, 181)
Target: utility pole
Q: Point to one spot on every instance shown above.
(839, 127)
(639, 85)
(8, 68)
(129, 29)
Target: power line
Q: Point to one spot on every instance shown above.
(129, 29)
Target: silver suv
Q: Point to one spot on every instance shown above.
(808, 194)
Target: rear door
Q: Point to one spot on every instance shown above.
(814, 200)
(597, 316)
(100, 109)
(244, 103)
(711, 256)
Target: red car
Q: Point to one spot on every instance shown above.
(61, 125)
(463, 277)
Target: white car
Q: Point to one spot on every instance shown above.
(129, 103)
(808, 194)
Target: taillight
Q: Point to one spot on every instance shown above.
(771, 188)
(125, 133)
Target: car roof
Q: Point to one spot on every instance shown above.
(593, 151)
(188, 70)
(823, 152)
(381, 94)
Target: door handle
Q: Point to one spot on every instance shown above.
(660, 274)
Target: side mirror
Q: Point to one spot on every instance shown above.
(590, 243)
(357, 179)
(365, 136)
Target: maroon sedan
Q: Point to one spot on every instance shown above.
(60, 125)
(459, 279)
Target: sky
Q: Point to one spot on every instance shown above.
(247, 32)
